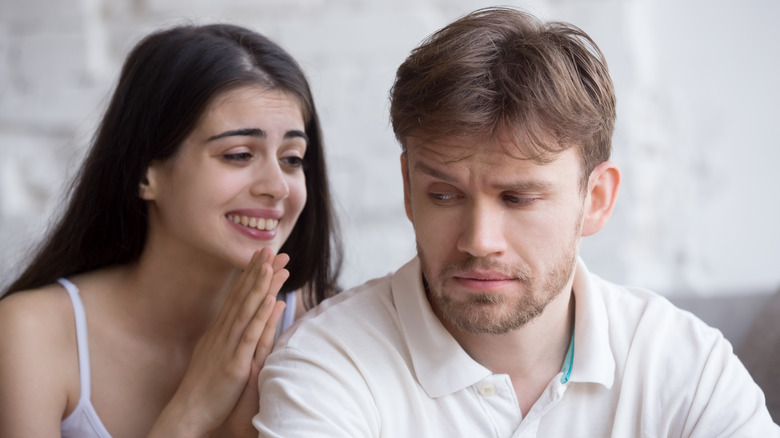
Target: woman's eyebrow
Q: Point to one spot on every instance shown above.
(245, 132)
(257, 132)
(297, 134)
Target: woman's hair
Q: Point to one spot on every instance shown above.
(502, 72)
(166, 84)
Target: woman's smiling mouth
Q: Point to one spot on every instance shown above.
(262, 224)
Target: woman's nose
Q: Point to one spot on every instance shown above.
(271, 181)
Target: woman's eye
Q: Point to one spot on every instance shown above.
(293, 161)
(241, 156)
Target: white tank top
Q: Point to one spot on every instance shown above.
(84, 422)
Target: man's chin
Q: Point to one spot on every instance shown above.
(483, 318)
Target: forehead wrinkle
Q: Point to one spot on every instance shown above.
(426, 169)
(518, 185)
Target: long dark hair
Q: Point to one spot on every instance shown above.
(167, 82)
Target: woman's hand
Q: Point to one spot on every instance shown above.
(219, 389)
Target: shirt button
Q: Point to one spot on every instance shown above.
(487, 389)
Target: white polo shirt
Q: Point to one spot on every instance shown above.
(376, 362)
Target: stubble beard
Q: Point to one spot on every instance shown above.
(488, 313)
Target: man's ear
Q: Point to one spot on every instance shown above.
(603, 185)
(407, 188)
(149, 186)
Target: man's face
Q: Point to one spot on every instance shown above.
(497, 236)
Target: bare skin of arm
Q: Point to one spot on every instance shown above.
(36, 365)
(218, 394)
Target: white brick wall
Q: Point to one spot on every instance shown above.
(696, 133)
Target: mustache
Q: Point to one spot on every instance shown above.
(521, 273)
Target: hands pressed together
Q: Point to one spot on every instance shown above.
(218, 394)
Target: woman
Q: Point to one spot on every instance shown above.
(208, 163)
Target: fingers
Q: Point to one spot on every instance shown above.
(264, 276)
(259, 333)
(254, 329)
(243, 285)
(280, 261)
(267, 285)
(274, 270)
(253, 302)
(266, 341)
(277, 281)
(250, 276)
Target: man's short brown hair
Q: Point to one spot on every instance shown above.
(502, 72)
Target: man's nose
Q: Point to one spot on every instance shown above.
(483, 231)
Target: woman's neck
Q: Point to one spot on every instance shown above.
(171, 298)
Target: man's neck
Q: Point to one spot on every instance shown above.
(531, 355)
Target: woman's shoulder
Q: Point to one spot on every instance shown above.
(43, 308)
(36, 312)
(37, 323)
(39, 366)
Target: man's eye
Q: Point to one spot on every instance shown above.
(517, 200)
(443, 196)
(242, 156)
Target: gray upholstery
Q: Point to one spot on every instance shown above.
(760, 352)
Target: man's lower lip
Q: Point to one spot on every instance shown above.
(481, 285)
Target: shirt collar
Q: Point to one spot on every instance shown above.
(443, 367)
(593, 360)
(440, 363)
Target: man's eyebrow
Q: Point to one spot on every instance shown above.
(257, 132)
(525, 186)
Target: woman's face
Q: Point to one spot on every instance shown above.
(236, 184)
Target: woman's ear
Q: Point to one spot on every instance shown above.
(603, 185)
(147, 188)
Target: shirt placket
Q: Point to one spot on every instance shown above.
(498, 400)
(551, 396)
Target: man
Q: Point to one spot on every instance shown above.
(497, 328)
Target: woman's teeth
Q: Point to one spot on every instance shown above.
(260, 223)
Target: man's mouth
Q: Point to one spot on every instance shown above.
(483, 276)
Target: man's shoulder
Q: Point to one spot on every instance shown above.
(350, 312)
(635, 305)
(666, 353)
(644, 322)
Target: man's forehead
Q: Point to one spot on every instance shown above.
(484, 148)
